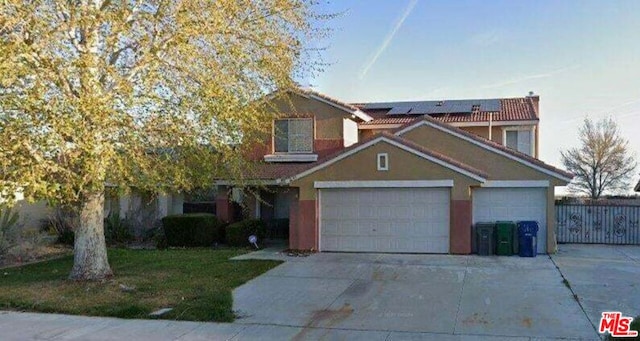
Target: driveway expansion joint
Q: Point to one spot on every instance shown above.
(464, 278)
(575, 295)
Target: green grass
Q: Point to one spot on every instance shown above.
(197, 283)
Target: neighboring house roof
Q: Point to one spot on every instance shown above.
(453, 111)
(285, 172)
(488, 144)
(637, 188)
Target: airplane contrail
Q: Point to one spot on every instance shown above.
(388, 38)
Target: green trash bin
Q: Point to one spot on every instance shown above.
(505, 233)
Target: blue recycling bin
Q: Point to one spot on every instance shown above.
(527, 238)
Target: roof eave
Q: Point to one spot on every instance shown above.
(356, 112)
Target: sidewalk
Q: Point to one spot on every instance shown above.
(16, 326)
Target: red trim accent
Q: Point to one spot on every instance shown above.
(460, 231)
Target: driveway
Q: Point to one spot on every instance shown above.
(604, 277)
(395, 297)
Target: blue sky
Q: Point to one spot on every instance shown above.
(581, 57)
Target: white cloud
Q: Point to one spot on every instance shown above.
(387, 40)
(531, 77)
(487, 38)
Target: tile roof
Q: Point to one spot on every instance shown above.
(391, 120)
(490, 143)
(511, 109)
(283, 170)
(346, 106)
(308, 91)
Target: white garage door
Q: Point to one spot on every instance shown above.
(493, 204)
(385, 220)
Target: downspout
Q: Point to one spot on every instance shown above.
(490, 125)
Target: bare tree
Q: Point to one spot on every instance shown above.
(603, 162)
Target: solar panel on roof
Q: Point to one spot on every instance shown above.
(491, 105)
(437, 107)
(399, 111)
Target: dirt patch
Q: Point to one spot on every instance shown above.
(476, 319)
(298, 253)
(332, 317)
(358, 288)
(40, 254)
(527, 322)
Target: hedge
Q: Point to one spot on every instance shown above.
(238, 233)
(193, 229)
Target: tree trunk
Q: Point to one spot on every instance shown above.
(90, 250)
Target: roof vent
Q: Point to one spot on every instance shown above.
(440, 103)
(531, 94)
(475, 108)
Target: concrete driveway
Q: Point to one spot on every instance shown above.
(395, 297)
(604, 277)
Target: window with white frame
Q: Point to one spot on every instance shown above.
(383, 162)
(520, 140)
(293, 135)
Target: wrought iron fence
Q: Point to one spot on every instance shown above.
(598, 224)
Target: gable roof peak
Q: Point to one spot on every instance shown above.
(489, 145)
(352, 109)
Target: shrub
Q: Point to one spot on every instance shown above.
(66, 237)
(158, 238)
(238, 233)
(18, 243)
(9, 227)
(194, 229)
(62, 223)
(116, 230)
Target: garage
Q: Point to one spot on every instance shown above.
(411, 220)
(514, 204)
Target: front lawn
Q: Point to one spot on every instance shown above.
(197, 283)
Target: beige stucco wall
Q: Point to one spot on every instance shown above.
(328, 119)
(552, 246)
(496, 132)
(497, 166)
(368, 133)
(139, 203)
(32, 215)
(403, 165)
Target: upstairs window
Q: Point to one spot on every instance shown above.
(293, 135)
(519, 140)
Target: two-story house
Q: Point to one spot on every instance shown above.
(400, 176)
